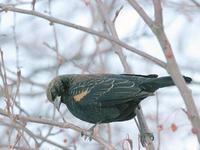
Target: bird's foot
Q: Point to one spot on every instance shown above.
(88, 133)
(144, 138)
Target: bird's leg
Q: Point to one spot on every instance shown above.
(145, 135)
(90, 132)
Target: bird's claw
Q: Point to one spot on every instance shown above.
(88, 133)
(144, 137)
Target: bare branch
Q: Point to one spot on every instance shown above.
(57, 124)
(88, 30)
(141, 12)
(158, 13)
(110, 24)
(196, 3)
(172, 66)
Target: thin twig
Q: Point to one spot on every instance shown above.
(85, 29)
(158, 13)
(157, 121)
(58, 58)
(18, 126)
(4, 79)
(172, 66)
(117, 14)
(33, 4)
(145, 134)
(196, 3)
(141, 12)
(57, 124)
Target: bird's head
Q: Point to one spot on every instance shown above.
(56, 88)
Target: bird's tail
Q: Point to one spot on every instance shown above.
(156, 83)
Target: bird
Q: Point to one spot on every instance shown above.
(104, 98)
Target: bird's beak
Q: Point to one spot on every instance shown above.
(57, 102)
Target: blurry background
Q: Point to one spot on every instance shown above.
(36, 51)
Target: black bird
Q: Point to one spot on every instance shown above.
(104, 98)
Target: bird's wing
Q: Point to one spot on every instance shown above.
(106, 91)
(145, 76)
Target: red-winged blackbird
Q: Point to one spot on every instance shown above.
(104, 98)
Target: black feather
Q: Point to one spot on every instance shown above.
(154, 84)
(105, 97)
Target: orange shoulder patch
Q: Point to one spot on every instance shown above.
(79, 96)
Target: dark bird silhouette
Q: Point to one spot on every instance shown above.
(104, 98)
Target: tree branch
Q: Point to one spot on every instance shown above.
(110, 24)
(85, 29)
(56, 124)
(141, 12)
(172, 67)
